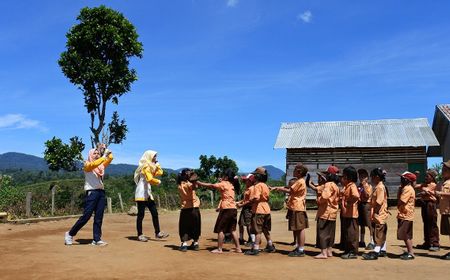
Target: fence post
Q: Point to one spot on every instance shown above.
(109, 201)
(165, 200)
(211, 193)
(28, 204)
(158, 201)
(72, 203)
(120, 200)
(53, 200)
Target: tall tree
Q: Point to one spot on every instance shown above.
(211, 167)
(99, 49)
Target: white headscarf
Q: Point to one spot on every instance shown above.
(146, 160)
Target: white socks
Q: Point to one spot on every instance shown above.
(270, 243)
(377, 249)
(253, 237)
(384, 247)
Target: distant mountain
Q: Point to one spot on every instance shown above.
(19, 161)
(274, 173)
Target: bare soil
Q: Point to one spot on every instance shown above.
(37, 251)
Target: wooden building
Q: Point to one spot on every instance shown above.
(394, 145)
(441, 128)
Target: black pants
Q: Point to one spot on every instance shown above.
(430, 227)
(150, 204)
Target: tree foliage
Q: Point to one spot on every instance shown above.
(211, 167)
(97, 60)
(61, 156)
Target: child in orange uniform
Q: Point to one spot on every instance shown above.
(227, 219)
(349, 212)
(245, 218)
(298, 220)
(406, 200)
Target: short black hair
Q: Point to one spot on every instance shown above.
(350, 173)
(378, 172)
(261, 177)
(183, 175)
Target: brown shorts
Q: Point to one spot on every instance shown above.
(379, 233)
(364, 214)
(445, 224)
(226, 221)
(298, 221)
(350, 232)
(326, 232)
(405, 230)
(189, 225)
(245, 218)
(260, 223)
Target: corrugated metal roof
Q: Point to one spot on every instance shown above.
(361, 134)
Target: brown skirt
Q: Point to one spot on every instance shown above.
(405, 230)
(245, 218)
(261, 223)
(379, 233)
(326, 233)
(189, 225)
(226, 221)
(298, 221)
(445, 224)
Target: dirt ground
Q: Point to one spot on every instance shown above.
(37, 251)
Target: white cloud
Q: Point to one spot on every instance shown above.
(19, 121)
(232, 3)
(305, 16)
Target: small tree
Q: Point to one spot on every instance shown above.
(211, 168)
(97, 62)
(63, 156)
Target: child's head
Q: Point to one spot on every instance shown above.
(407, 178)
(321, 177)
(446, 170)
(249, 180)
(228, 175)
(377, 175)
(300, 170)
(349, 175)
(184, 175)
(260, 174)
(362, 174)
(430, 176)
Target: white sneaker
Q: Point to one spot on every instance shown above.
(99, 243)
(142, 238)
(68, 239)
(161, 235)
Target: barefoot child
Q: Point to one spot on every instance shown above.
(261, 220)
(189, 225)
(365, 192)
(429, 211)
(144, 177)
(95, 199)
(227, 219)
(444, 204)
(405, 205)
(349, 210)
(379, 214)
(328, 203)
(245, 218)
(298, 220)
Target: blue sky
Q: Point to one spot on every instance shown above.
(219, 77)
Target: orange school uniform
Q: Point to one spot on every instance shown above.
(349, 202)
(261, 194)
(406, 201)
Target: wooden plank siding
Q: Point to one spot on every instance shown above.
(393, 160)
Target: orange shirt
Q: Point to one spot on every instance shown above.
(319, 190)
(328, 202)
(297, 196)
(247, 194)
(349, 202)
(260, 198)
(366, 192)
(226, 190)
(406, 201)
(188, 197)
(431, 187)
(444, 204)
(379, 204)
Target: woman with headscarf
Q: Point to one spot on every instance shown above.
(95, 199)
(144, 177)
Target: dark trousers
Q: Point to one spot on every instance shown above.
(94, 201)
(350, 234)
(150, 204)
(430, 227)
